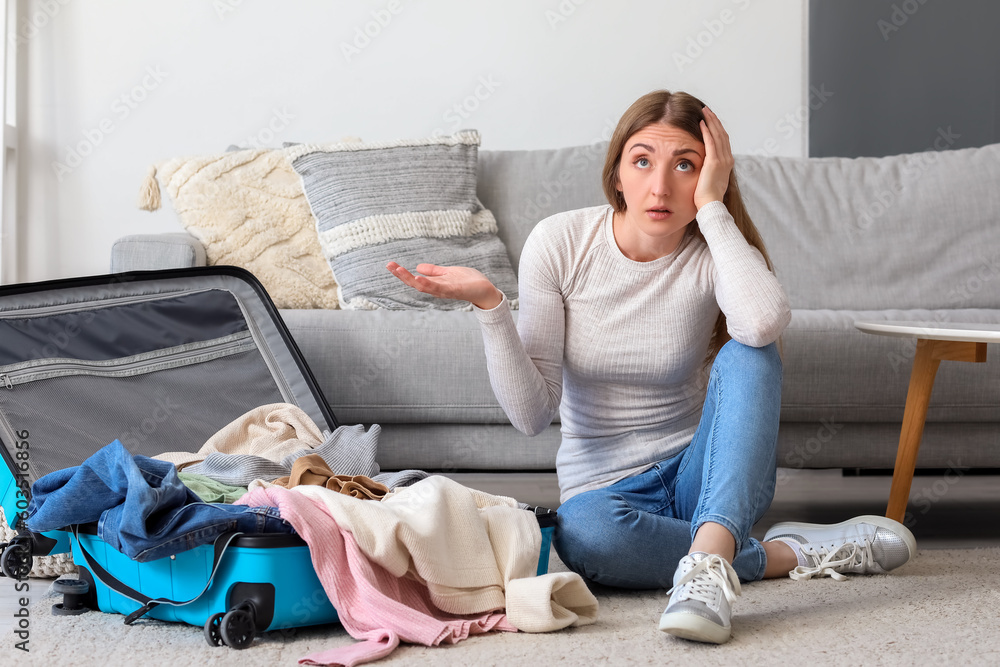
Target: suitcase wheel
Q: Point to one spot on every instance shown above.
(16, 561)
(238, 628)
(235, 628)
(74, 592)
(213, 634)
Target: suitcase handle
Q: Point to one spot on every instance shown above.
(222, 543)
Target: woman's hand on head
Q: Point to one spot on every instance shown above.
(451, 282)
(713, 181)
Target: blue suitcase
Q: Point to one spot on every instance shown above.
(87, 361)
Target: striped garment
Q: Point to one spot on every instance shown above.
(407, 201)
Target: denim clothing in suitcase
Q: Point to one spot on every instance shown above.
(141, 506)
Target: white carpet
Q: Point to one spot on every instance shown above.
(939, 609)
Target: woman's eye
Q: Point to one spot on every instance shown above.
(688, 166)
(642, 163)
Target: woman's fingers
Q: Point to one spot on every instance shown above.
(404, 275)
(719, 136)
(714, 180)
(431, 269)
(419, 283)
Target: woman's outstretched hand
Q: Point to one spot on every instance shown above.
(713, 181)
(451, 282)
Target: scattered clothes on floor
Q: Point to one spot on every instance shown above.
(209, 490)
(312, 470)
(430, 564)
(142, 507)
(264, 443)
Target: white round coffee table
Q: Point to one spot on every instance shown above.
(936, 341)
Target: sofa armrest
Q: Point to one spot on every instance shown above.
(145, 252)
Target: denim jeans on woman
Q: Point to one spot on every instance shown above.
(633, 533)
(141, 507)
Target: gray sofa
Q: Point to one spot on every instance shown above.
(909, 237)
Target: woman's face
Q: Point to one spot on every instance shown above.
(657, 176)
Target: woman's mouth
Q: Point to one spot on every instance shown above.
(659, 213)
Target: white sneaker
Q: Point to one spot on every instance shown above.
(862, 545)
(705, 586)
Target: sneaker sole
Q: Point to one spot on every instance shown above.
(695, 628)
(879, 521)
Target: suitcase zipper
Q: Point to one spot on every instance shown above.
(265, 351)
(145, 363)
(90, 305)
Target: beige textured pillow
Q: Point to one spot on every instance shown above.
(248, 208)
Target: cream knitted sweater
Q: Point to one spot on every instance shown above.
(616, 346)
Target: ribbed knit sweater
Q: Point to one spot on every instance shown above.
(616, 346)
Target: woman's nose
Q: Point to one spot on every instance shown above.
(661, 184)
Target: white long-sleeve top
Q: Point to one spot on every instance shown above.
(617, 346)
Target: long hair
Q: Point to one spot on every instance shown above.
(682, 111)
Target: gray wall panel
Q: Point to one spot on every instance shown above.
(905, 75)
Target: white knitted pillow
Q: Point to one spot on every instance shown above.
(248, 208)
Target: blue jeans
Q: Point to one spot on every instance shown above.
(141, 507)
(633, 533)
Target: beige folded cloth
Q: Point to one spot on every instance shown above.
(564, 601)
(312, 470)
(270, 431)
(467, 546)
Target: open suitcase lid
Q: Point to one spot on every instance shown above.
(160, 360)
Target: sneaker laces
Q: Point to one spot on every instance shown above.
(830, 562)
(701, 581)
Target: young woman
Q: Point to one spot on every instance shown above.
(663, 467)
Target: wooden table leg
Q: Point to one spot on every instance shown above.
(918, 396)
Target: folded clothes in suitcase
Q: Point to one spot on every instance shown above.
(159, 361)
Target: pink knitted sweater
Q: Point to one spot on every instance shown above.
(373, 605)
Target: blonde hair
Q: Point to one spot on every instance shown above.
(682, 111)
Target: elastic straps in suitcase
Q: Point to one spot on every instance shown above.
(222, 543)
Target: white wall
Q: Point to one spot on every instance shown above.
(131, 83)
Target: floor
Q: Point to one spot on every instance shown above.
(946, 511)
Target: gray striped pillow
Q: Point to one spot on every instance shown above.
(406, 201)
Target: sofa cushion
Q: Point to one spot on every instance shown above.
(398, 367)
(406, 201)
(247, 208)
(392, 367)
(906, 231)
(834, 371)
(524, 187)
